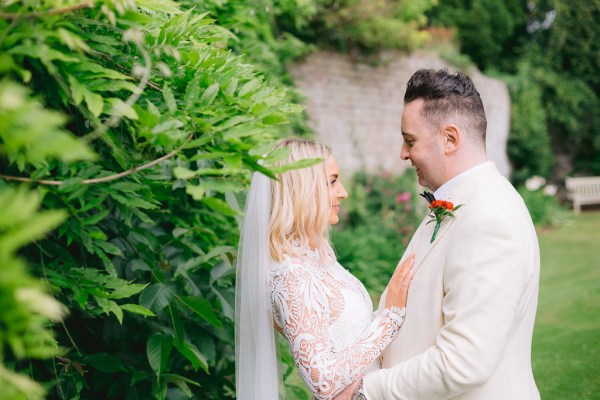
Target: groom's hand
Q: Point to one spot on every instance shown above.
(347, 393)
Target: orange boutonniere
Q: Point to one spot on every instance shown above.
(440, 209)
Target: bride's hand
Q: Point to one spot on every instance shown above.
(397, 289)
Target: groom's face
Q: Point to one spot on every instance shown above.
(423, 146)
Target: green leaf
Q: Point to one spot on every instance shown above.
(167, 126)
(94, 219)
(197, 192)
(158, 350)
(156, 297)
(127, 291)
(307, 162)
(209, 94)
(103, 85)
(202, 307)
(194, 356)
(109, 306)
(277, 155)
(105, 362)
(116, 106)
(92, 68)
(177, 326)
(245, 130)
(139, 265)
(219, 206)
(94, 102)
(35, 228)
(274, 119)
(169, 98)
(165, 6)
(137, 309)
(191, 91)
(249, 87)
(222, 186)
(174, 378)
(77, 89)
(109, 248)
(183, 173)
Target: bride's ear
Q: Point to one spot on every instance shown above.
(452, 138)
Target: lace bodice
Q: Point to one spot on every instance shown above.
(327, 317)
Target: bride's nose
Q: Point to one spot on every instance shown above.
(342, 194)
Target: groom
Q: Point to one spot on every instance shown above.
(472, 302)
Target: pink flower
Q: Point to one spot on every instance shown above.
(403, 198)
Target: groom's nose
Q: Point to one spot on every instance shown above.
(404, 153)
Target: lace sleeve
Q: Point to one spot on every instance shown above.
(301, 303)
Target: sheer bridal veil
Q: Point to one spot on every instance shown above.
(256, 358)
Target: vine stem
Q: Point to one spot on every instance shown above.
(102, 179)
(54, 11)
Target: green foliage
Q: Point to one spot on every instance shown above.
(550, 49)
(572, 41)
(379, 217)
(491, 32)
(27, 306)
(570, 48)
(528, 134)
(360, 24)
(141, 127)
(541, 202)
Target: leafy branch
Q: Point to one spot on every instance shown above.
(54, 11)
(102, 179)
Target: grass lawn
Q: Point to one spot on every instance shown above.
(566, 342)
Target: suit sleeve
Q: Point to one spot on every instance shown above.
(485, 276)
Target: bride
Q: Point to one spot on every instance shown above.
(288, 280)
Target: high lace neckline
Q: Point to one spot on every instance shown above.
(306, 251)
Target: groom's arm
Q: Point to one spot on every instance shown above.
(486, 273)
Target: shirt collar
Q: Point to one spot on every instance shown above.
(444, 191)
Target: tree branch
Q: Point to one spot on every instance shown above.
(102, 179)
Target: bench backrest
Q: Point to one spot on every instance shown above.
(585, 186)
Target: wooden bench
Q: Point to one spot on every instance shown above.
(583, 190)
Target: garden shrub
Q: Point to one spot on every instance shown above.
(377, 221)
(542, 203)
(136, 124)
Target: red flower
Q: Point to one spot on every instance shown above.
(440, 209)
(443, 204)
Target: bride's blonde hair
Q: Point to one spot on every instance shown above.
(301, 203)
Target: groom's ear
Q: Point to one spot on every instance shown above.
(452, 138)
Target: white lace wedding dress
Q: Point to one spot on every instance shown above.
(327, 318)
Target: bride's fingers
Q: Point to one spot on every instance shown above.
(405, 283)
(403, 269)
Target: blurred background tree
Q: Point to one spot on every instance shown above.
(548, 52)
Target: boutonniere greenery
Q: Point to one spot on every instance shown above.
(440, 209)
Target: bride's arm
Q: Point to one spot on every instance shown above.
(300, 299)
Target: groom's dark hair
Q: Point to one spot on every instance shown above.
(448, 96)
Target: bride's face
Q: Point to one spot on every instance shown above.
(337, 192)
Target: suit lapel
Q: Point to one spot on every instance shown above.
(423, 245)
(461, 194)
(420, 244)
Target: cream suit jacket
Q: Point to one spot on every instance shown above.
(471, 305)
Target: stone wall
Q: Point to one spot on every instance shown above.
(356, 108)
